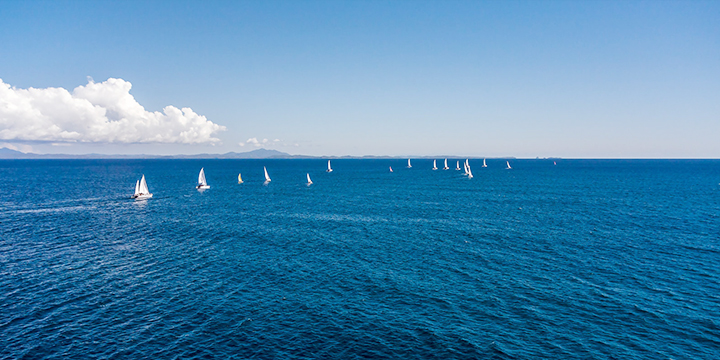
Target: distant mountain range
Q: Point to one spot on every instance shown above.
(6, 153)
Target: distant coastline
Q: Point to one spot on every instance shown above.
(9, 154)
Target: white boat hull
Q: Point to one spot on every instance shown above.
(202, 187)
(142, 196)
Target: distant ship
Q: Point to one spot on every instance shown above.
(141, 190)
(202, 183)
(329, 167)
(267, 177)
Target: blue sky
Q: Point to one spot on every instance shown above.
(471, 78)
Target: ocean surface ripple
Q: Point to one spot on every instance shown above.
(602, 259)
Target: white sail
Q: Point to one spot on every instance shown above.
(434, 164)
(141, 190)
(508, 164)
(391, 169)
(329, 167)
(240, 179)
(267, 177)
(465, 167)
(143, 186)
(409, 166)
(308, 178)
(201, 177)
(484, 164)
(446, 167)
(469, 172)
(457, 165)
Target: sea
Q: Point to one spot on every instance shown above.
(585, 259)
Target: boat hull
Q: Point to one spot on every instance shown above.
(202, 187)
(142, 196)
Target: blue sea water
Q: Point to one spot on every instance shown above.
(604, 259)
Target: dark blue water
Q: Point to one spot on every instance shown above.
(587, 259)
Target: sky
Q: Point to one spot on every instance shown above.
(573, 79)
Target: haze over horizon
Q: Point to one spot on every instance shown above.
(526, 79)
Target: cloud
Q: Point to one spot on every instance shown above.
(96, 113)
(258, 143)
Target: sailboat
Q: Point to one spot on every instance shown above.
(409, 166)
(240, 179)
(141, 190)
(466, 165)
(434, 164)
(202, 183)
(309, 181)
(508, 165)
(267, 177)
(469, 172)
(329, 168)
(484, 164)
(391, 169)
(554, 163)
(446, 167)
(457, 165)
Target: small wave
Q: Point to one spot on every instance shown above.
(334, 217)
(54, 210)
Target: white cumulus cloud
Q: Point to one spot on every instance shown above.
(256, 142)
(97, 112)
(262, 143)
